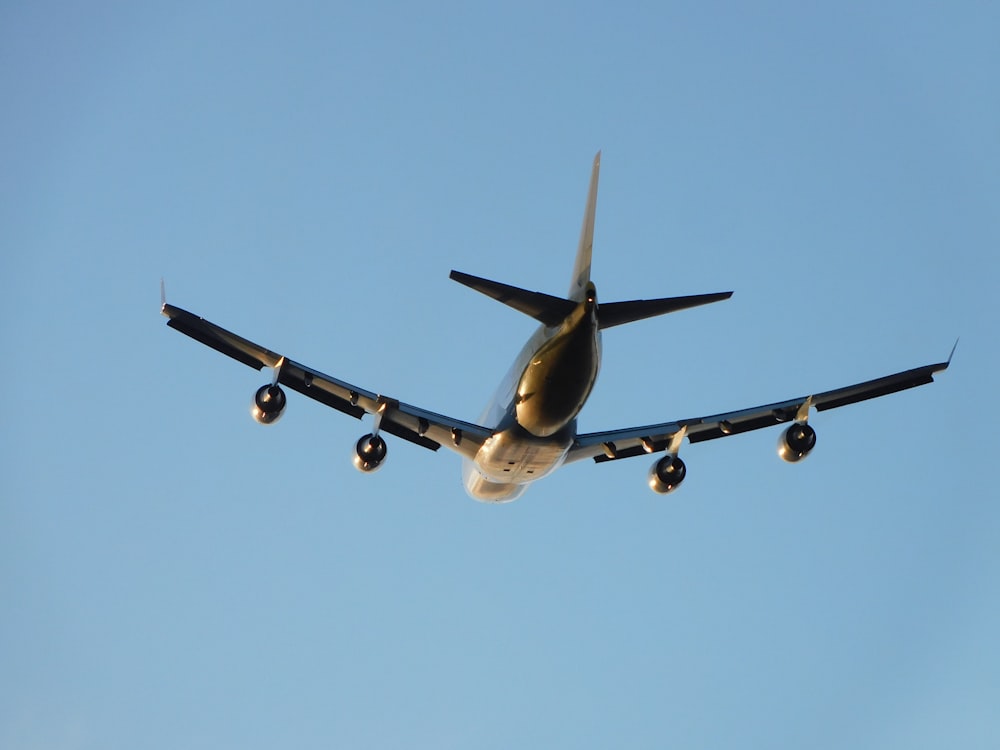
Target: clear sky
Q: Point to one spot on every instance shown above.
(306, 174)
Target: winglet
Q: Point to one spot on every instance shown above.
(953, 351)
(163, 297)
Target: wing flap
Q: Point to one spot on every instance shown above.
(713, 427)
(394, 428)
(612, 452)
(319, 387)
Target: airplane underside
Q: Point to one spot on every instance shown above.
(511, 459)
(528, 430)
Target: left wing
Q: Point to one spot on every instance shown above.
(636, 441)
(425, 428)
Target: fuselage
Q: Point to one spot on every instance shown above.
(534, 410)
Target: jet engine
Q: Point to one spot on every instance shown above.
(796, 442)
(666, 474)
(268, 404)
(369, 453)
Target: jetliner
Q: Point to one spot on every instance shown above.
(529, 428)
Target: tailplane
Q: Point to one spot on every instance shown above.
(542, 307)
(615, 313)
(552, 311)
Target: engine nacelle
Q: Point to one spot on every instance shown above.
(796, 442)
(268, 404)
(369, 453)
(666, 474)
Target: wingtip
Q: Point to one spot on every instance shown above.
(953, 348)
(163, 297)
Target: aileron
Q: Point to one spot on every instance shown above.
(878, 387)
(219, 339)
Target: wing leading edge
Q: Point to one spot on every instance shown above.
(425, 428)
(634, 441)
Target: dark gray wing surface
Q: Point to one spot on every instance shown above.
(425, 428)
(635, 441)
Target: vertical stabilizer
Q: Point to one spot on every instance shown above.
(581, 269)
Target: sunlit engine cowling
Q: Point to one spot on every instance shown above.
(268, 404)
(666, 474)
(796, 442)
(369, 453)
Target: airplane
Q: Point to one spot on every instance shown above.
(529, 428)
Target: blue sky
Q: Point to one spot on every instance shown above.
(174, 575)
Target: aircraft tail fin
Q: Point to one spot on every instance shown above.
(552, 311)
(581, 268)
(615, 313)
(542, 307)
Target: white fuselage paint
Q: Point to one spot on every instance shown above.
(514, 457)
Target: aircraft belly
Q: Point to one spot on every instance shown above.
(508, 458)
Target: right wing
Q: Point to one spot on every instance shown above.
(425, 428)
(637, 441)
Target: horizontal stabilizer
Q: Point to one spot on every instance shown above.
(544, 308)
(615, 313)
